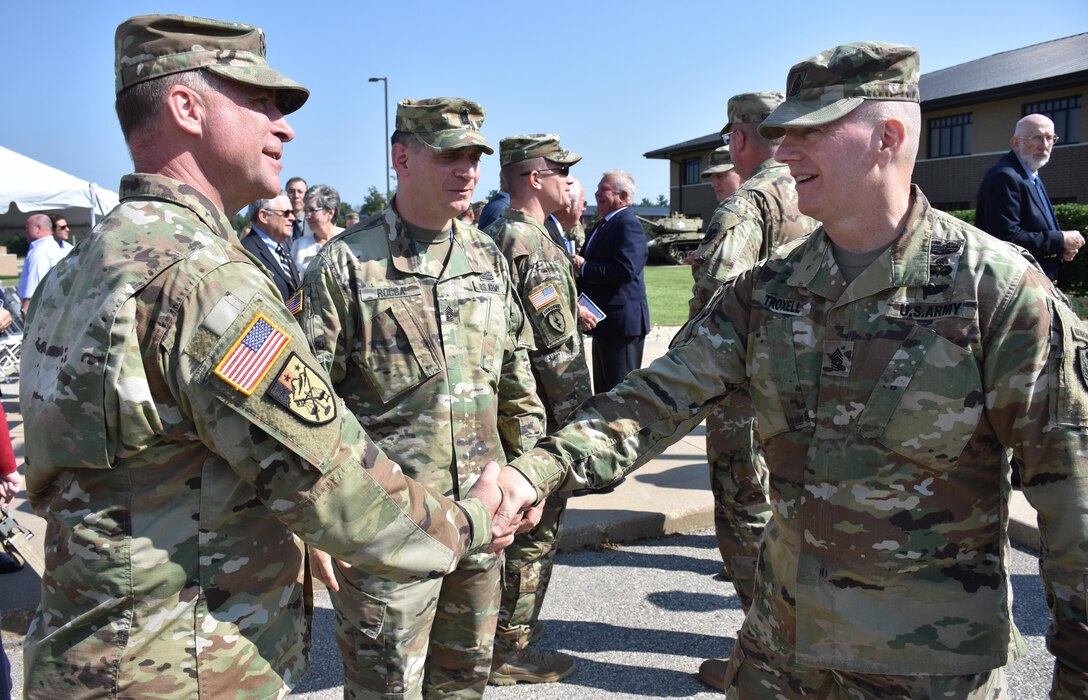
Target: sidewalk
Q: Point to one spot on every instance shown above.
(669, 495)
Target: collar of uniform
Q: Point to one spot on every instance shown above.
(523, 218)
(907, 258)
(769, 164)
(402, 250)
(150, 186)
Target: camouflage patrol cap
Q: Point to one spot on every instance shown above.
(719, 161)
(444, 123)
(150, 46)
(750, 108)
(514, 149)
(834, 83)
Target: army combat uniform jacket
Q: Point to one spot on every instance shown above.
(544, 280)
(884, 408)
(178, 429)
(430, 357)
(768, 198)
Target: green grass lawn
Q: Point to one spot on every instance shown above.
(668, 287)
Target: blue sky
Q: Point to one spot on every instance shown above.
(614, 79)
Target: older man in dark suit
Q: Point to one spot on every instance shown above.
(610, 268)
(271, 220)
(1013, 204)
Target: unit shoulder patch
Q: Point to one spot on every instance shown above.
(303, 392)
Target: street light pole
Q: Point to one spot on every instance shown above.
(385, 81)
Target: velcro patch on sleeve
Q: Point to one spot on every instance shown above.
(303, 392)
(294, 303)
(252, 355)
(543, 296)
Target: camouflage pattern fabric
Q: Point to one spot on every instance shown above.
(885, 408)
(576, 233)
(444, 123)
(767, 203)
(746, 678)
(170, 495)
(151, 46)
(431, 356)
(835, 82)
(544, 280)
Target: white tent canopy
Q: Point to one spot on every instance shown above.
(28, 186)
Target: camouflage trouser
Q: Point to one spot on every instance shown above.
(390, 632)
(746, 679)
(738, 480)
(525, 577)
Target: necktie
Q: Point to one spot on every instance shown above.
(285, 261)
(1046, 203)
(592, 240)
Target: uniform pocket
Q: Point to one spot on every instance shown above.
(397, 354)
(777, 395)
(1069, 359)
(928, 401)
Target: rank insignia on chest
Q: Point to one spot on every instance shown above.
(251, 356)
(543, 296)
(294, 303)
(838, 358)
(303, 392)
(451, 314)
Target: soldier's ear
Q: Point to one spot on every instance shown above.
(400, 154)
(186, 108)
(893, 135)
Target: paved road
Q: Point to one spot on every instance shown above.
(641, 616)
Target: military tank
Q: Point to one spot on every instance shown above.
(673, 237)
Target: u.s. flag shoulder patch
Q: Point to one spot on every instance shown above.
(294, 303)
(543, 296)
(251, 356)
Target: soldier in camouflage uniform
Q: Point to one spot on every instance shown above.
(767, 200)
(724, 178)
(179, 432)
(537, 171)
(893, 356)
(413, 314)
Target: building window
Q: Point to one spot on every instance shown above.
(950, 136)
(692, 167)
(1064, 112)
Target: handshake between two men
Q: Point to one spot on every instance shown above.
(506, 493)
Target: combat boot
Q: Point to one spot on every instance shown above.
(712, 673)
(532, 665)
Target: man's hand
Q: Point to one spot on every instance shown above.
(577, 261)
(487, 489)
(5, 319)
(518, 495)
(322, 567)
(10, 484)
(586, 320)
(1073, 243)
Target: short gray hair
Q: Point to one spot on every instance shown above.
(138, 105)
(623, 182)
(262, 204)
(324, 197)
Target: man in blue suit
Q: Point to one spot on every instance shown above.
(272, 221)
(1013, 204)
(610, 274)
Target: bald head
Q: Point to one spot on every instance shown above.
(1033, 139)
(38, 226)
